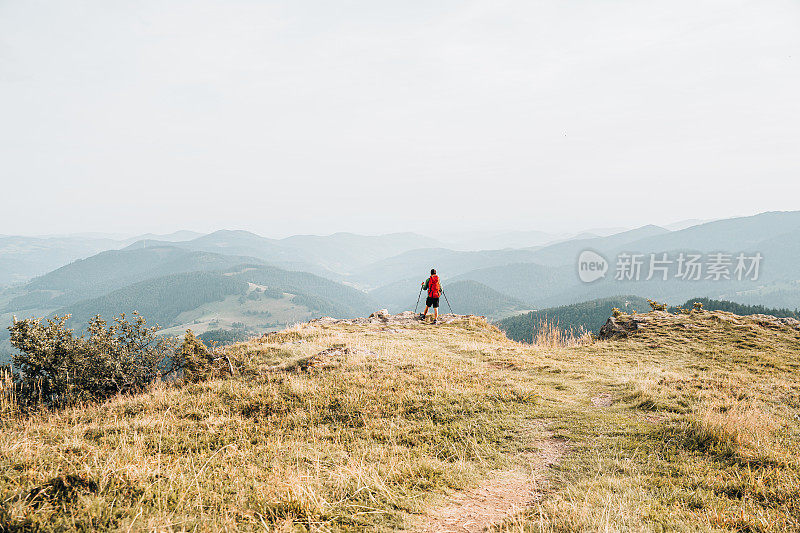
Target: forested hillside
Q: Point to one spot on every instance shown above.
(159, 300)
(583, 317)
(739, 309)
(112, 270)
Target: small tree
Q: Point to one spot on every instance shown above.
(194, 358)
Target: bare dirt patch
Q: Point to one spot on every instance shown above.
(602, 400)
(502, 494)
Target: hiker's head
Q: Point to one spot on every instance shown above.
(433, 272)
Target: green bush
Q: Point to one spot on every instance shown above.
(57, 368)
(223, 337)
(194, 358)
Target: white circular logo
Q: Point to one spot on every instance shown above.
(591, 266)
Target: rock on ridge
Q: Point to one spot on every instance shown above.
(623, 325)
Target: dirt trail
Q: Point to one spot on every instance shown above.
(502, 493)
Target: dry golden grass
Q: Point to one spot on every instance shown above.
(363, 427)
(549, 334)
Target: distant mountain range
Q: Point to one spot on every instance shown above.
(22, 258)
(334, 256)
(236, 277)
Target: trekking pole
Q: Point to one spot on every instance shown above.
(418, 297)
(448, 302)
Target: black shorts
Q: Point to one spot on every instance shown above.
(432, 302)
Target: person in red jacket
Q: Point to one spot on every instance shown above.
(434, 288)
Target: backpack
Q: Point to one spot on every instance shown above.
(434, 287)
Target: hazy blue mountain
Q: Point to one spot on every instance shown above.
(175, 236)
(227, 242)
(22, 258)
(396, 296)
(25, 257)
(111, 270)
(449, 263)
(528, 282)
(501, 240)
(343, 252)
(779, 294)
(775, 235)
(683, 224)
(566, 253)
(732, 234)
(469, 297)
(452, 263)
(332, 256)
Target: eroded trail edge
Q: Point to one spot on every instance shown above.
(502, 493)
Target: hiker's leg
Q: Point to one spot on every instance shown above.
(435, 313)
(425, 312)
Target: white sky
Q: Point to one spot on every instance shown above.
(299, 116)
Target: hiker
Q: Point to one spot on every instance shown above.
(434, 288)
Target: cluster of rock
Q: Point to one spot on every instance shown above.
(623, 325)
(383, 317)
(619, 327)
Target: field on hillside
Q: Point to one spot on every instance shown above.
(255, 311)
(688, 424)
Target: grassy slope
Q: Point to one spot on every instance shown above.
(702, 434)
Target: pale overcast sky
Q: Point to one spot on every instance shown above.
(374, 116)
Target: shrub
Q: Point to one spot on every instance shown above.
(194, 358)
(58, 368)
(656, 306)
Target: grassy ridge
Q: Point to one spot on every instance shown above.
(695, 431)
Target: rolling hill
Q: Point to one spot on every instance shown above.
(247, 294)
(529, 282)
(159, 300)
(112, 270)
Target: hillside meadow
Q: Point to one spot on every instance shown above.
(689, 424)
